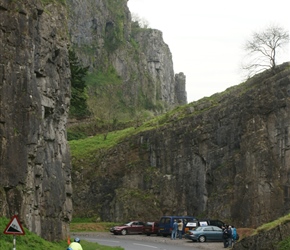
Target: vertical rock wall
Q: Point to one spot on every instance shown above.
(180, 84)
(225, 157)
(140, 56)
(159, 64)
(35, 179)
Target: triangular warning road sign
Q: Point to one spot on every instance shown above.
(14, 227)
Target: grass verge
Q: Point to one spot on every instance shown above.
(32, 241)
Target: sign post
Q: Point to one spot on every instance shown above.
(14, 227)
(14, 242)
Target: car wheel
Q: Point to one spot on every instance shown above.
(202, 239)
(148, 234)
(124, 232)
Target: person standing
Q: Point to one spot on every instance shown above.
(76, 245)
(234, 234)
(180, 228)
(230, 240)
(174, 230)
(225, 236)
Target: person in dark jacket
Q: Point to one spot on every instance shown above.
(230, 240)
(227, 235)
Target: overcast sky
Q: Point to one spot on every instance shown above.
(206, 38)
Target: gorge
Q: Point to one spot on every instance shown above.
(224, 156)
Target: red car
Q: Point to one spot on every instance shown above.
(133, 227)
(151, 228)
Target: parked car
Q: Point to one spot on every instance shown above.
(205, 233)
(133, 227)
(151, 228)
(190, 225)
(217, 223)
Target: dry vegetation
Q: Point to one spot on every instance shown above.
(244, 232)
(91, 227)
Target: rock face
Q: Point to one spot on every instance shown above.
(268, 240)
(35, 169)
(180, 88)
(35, 179)
(103, 37)
(224, 157)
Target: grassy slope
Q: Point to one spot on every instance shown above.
(32, 241)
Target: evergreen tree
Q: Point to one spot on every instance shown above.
(78, 108)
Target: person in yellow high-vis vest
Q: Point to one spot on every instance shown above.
(76, 245)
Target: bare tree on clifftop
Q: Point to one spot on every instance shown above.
(262, 49)
(142, 22)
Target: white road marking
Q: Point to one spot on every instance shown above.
(115, 241)
(142, 245)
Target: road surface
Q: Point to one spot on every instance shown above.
(143, 242)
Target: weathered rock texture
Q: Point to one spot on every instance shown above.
(35, 166)
(102, 34)
(223, 157)
(267, 240)
(35, 93)
(180, 88)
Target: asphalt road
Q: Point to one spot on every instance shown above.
(143, 242)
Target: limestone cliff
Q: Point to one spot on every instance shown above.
(266, 239)
(225, 157)
(103, 35)
(35, 179)
(35, 169)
